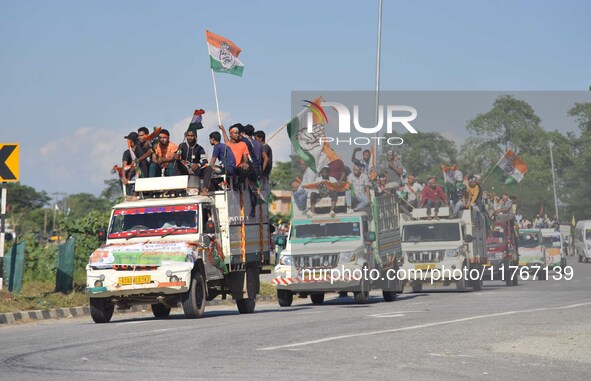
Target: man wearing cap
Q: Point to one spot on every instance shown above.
(193, 160)
(164, 157)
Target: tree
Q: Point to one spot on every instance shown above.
(423, 153)
(21, 201)
(579, 181)
(113, 190)
(281, 175)
(81, 204)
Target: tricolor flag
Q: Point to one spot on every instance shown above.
(196, 121)
(223, 54)
(308, 145)
(512, 167)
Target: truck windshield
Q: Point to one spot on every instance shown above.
(337, 229)
(431, 232)
(154, 221)
(496, 237)
(551, 241)
(528, 240)
(588, 234)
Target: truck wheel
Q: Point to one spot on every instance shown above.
(515, 275)
(317, 298)
(416, 286)
(362, 296)
(580, 258)
(247, 305)
(101, 310)
(476, 283)
(194, 299)
(542, 274)
(389, 296)
(160, 311)
(285, 298)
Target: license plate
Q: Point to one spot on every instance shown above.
(138, 279)
(425, 266)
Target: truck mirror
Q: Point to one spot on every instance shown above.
(370, 236)
(102, 234)
(468, 238)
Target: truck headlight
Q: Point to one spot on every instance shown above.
(347, 256)
(286, 260)
(452, 252)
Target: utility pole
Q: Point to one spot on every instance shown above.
(551, 145)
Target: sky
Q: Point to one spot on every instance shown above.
(75, 77)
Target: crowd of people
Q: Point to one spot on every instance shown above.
(243, 156)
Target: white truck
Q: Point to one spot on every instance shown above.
(583, 240)
(447, 250)
(178, 246)
(350, 252)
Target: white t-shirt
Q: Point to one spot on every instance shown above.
(359, 183)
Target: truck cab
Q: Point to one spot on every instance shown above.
(179, 247)
(532, 252)
(501, 245)
(336, 254)
(444, 250)
(582, 241)
(555, 255)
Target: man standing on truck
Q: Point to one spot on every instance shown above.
(359, 192)
(267, 164)
(223, 154)
(432, 196)
(239, 149)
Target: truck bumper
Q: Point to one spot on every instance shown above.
(435, 272)
(319, 280)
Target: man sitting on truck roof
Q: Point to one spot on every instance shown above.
(413, 190)
(164, 157)
(300, 194)
(359, 192)
(193, 159)
(432, 196)
(322, 192)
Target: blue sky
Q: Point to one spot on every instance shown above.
(77, 76)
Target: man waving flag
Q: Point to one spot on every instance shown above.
(223, 55)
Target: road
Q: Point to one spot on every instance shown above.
(538, 330)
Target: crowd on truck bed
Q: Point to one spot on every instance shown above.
(244, 158)
(355, 182)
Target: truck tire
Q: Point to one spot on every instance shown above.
(284, 298)
(389, 296)
(580, 258)
(101, 310)
(461, 284)
(416, 287)
(476, 283)
(247, 305)
(194, 300)
(317, 298)
(160, 311)
(362, 296)
(542, 274)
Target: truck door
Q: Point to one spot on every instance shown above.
(208, 213)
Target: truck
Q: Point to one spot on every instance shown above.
(502, 252)
(555, 248)
(445, 250)
(532, 253)
(173, 246)
(583, 240)
(352, 251)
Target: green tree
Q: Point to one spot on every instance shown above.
(81, 204)
(281, 175)
(579, 181)
(423, 153)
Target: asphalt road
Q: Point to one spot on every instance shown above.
(538, 330)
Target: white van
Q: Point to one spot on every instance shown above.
(583, 240)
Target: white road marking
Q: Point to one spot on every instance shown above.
(448, 355)
(386, 315)
(413, 327)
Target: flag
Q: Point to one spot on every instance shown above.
(307, 145)
(512, 167)
(196, 121)
(223, 54)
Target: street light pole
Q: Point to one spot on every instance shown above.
(551, 145)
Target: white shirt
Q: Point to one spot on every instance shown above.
(359, 183)
(416, 191)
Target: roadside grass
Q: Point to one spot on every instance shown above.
(37, 295)
(268, 290)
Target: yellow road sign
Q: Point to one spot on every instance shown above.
(9, 155)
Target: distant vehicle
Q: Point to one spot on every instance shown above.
(278, 243)
(583, 240)
(532, 253)
(501, 246)
(555, 256)
(55, 237)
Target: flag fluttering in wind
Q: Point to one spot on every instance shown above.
(308, 145)
(223, 55)
(511, 167)
(196, 121)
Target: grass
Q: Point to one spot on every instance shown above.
(268, 289)
(40, 296)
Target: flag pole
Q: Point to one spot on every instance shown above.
(493, 168)
(215, 88)
(379, 45)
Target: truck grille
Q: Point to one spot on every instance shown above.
(425, 256)
(327, 261)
